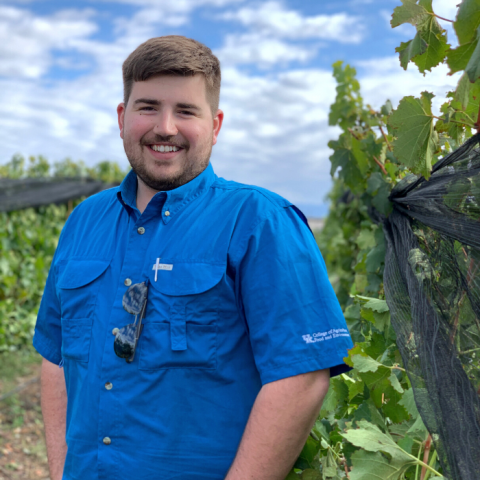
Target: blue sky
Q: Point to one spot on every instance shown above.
(60, 78)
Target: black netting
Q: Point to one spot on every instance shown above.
(17, 194)
(432, 287)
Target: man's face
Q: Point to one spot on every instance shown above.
(168, 130)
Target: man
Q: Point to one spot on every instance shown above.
(240, 328)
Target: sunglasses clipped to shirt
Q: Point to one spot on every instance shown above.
(126, 338)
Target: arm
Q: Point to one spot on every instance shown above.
(279, 423)
(54, 409)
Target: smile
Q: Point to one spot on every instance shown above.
(165, 148)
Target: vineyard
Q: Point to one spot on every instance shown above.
(401, 243)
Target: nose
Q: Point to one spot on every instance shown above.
(165, 124)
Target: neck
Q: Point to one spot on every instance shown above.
(144, 194)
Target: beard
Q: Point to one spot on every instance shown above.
(192, 167)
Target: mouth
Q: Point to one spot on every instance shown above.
(164, 150)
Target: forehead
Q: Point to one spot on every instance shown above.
(166, 88)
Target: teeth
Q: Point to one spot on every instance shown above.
(164, 148)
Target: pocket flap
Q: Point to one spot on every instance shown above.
(186, 278)
(76, 273)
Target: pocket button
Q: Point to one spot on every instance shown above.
(127, 282)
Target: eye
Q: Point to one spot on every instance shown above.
(147, 108)
(186, 112)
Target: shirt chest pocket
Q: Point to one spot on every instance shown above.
(77, 289)
(180, 329)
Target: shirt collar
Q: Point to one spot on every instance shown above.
(172, 201)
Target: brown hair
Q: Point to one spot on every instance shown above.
(173, 55)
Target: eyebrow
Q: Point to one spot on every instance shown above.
(148, 101)
(151, 101)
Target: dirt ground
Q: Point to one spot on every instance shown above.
(22, 445)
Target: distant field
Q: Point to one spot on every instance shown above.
(316, 224)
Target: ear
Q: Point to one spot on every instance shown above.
(217, 125)
(121, 117)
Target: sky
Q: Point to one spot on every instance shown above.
(60, 78)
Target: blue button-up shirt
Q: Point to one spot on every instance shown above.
(242, 298)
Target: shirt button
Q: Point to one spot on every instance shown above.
(127, 282)
(108, 386)
(141, 230)
(115, 331)
(167, 213)
(107, 441)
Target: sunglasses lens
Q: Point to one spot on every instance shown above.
(135, 297)
(124, 344)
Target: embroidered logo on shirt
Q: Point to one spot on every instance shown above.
(323, 336)
(161, 266)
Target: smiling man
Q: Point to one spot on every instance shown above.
(192, 316)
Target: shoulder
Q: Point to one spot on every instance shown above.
(261, 216)
(250, 197)
(101, 201)
(94, 214)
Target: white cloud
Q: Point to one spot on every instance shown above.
(384, 78)
(446, 8)
(26, 41)
(276, 131)
(263, 51)
(272, 19)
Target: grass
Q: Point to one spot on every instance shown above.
(17, 363)
(22, 445)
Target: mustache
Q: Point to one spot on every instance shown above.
(165, 139)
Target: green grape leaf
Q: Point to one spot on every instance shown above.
(292, 475)
(375, 466)
(412, 123)
(408, 401)
(375, 259)
(471, 111)
(406, 443)
(341, 389)
(355, 388)
(310, 474)
(375, 182)
(308, 452)
(467, 21)
(352, 312)
(386, 108)
(409, 50)
(458, 58)
(366, 239)
(377, 345)
(473, 67)
(392, 408)
(462, 93)
(359, 156)
(329, 465)
(369, 437)
(436, 39)
(343, 157)
(395, 383)
(408, 12)
(418, 429)
(365, 364)
(369, 412)
(329, 403)
(374, 304)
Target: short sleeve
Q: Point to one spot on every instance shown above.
(47, 339)
(294, 320)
